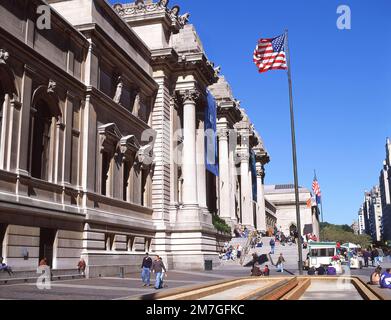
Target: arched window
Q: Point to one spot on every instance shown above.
(42, 134)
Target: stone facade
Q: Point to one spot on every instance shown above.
(102, 149)
(372, 211)
(385, 194)
(283, 198)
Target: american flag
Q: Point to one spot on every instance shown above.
(270, 54)
(316, 189)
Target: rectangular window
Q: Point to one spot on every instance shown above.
(125, 182)
(105, 173)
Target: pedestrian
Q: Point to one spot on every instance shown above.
(81, 266)
(5, 268)
(366, 256)
(374, 257)
(266, 271)
(331, 271)
(375, 277)
(239, 251)
(272, 245)
(321, 270)
(385, 280)
(146, 270)
(43, 262)
(311, 271)
(280, 263)
(158, 267)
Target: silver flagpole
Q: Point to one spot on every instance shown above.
(293, 135)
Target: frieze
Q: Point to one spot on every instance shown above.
(140, 7)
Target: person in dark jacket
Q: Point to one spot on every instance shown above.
(272, 244)
(4, 267)
(321, 271)
(158, 267)
(311, 271)
(366, 256)
(146, 270)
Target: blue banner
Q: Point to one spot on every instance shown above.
(211, 155)
(253, 166)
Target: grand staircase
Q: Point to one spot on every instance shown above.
(289, 252)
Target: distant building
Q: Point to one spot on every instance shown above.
(283, 198)
(385, 193)
(361, 221)
(372, 212)
(356, 228)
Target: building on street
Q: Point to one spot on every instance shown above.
(102, 140)
(283, 198)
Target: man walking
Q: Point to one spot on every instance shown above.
(280, 263)
(272, 245)
(158, 267)
(146, 270)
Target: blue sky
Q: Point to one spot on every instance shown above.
(341, 87)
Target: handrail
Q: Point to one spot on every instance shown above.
(246, 249)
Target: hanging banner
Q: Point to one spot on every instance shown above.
(211, 155)
(253, 166)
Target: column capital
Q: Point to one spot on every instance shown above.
(222, 133)
(244, 156)
(189, 95)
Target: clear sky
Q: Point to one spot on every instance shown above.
(341, 87)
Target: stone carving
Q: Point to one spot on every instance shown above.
(51, 86)
(109, 135)
(4, 55)
(140, 5)
(222, 133)
(261, 172)
(190, 95)
(184, 19)
(118, 92)
(145, 156)
(163, 3)
(129, 146)
(138, 102)
(175, 12)
(118, 7)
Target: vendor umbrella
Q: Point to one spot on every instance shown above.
(350, 246)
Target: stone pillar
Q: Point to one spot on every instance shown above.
(261, 210)
(201, 167)
(246, 197)
(189, 166)
(225, 184)
(23, 143)
(162, 122)
(89, 152)
(67, 146)
(233, 186)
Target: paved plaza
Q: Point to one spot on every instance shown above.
(112, 288)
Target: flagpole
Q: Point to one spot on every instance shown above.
(321, 202)
(294, 155)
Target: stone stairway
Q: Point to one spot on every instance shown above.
(289, 252)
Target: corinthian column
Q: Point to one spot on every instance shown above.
(261, 212)
(246, 199)
(224, 173)
(189, 165)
